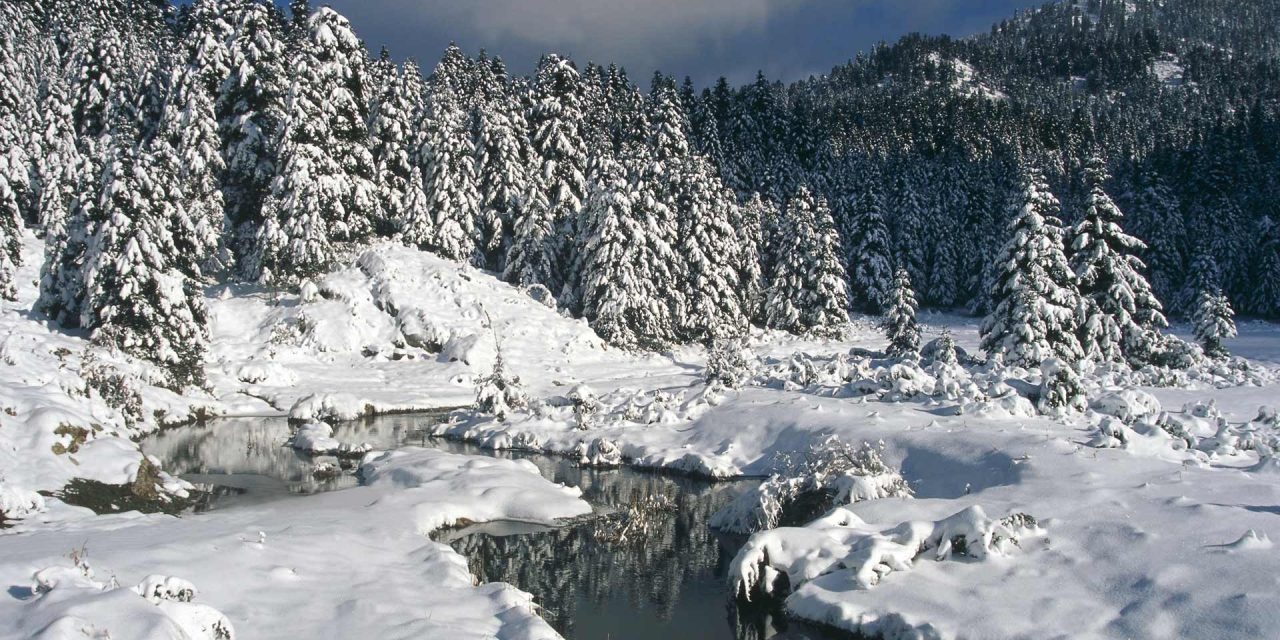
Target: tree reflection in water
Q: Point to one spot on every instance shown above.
(648, 567)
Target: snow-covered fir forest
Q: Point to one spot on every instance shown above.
(949, 284)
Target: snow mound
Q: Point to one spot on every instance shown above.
(1128, 405)
(67, 602)
(773, 562)
(446, 489)
(332, 407)
(1250, 541)
(17, 504)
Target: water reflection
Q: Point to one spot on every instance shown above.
(646, 567)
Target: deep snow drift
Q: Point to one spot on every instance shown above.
(1151, 512)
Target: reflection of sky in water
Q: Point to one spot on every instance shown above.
(670, 583)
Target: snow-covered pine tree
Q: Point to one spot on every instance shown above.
(1158, 222)
(807, 290)
(94, 88)
(1205, 275)
(10, 239)
(622, 295)
(249, 107)
(66, 243)
(751, 277)
(900, 319)
(909, 219)
(709, 252)
(17, 115)
(1035, 298)
(451, 184)
(503, 176)
(826, 313)
(1214, 321)
(1123, 315)
(137, 299)
(546, 230)
(1265, 297)
(57, 163)
(209, 53)
(394, 140)
(866, 240)
(323, 190)
(186, 147)
(787, 273)
(338, 84)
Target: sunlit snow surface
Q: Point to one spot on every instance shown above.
(1139, 541)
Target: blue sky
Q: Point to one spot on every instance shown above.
(788, 39)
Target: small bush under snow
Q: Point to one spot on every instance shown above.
(830, 473)
(773, 562)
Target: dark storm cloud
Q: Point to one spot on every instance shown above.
(788, 39)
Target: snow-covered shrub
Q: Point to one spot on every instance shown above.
(1060, 388)
(500, 393)
(421, 332)
(70, 603)
(329, 407)
(1129, 405)
(17, 504)
(316, 438)
(117, 389)
(830, 473)
(905, 380)
(729, 363)
(585, 405)
(1268, 415)
(636, 523)
(601, 453)
(541, 295)
(773, 562)
(662, 407)
(942, 349)
(800, 372)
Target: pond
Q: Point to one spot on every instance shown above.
(647, 567)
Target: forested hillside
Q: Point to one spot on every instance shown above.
(161, 149)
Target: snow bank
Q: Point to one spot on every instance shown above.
(67, 602)
(451, 489)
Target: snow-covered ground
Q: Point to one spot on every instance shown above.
(1138, 533)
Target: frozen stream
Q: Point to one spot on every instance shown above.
(647, 567)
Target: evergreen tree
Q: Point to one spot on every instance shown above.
(186, 148)
(826, 311)
(503, 177)
(1158, 221)
(451, 185)
(1035, 297)
(1265, 297)
(625, 262)
(250, 107)
(1214, 322)
(62, 282)
(1125, 312)
(137, 299)
(751, 277)
(394, 140)
(95, 90)
(323, 190)
(807, 287)
(10, 240)
(709, 252)
(900, 320)
(59, 158)
(866, 238)
(546, 230)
